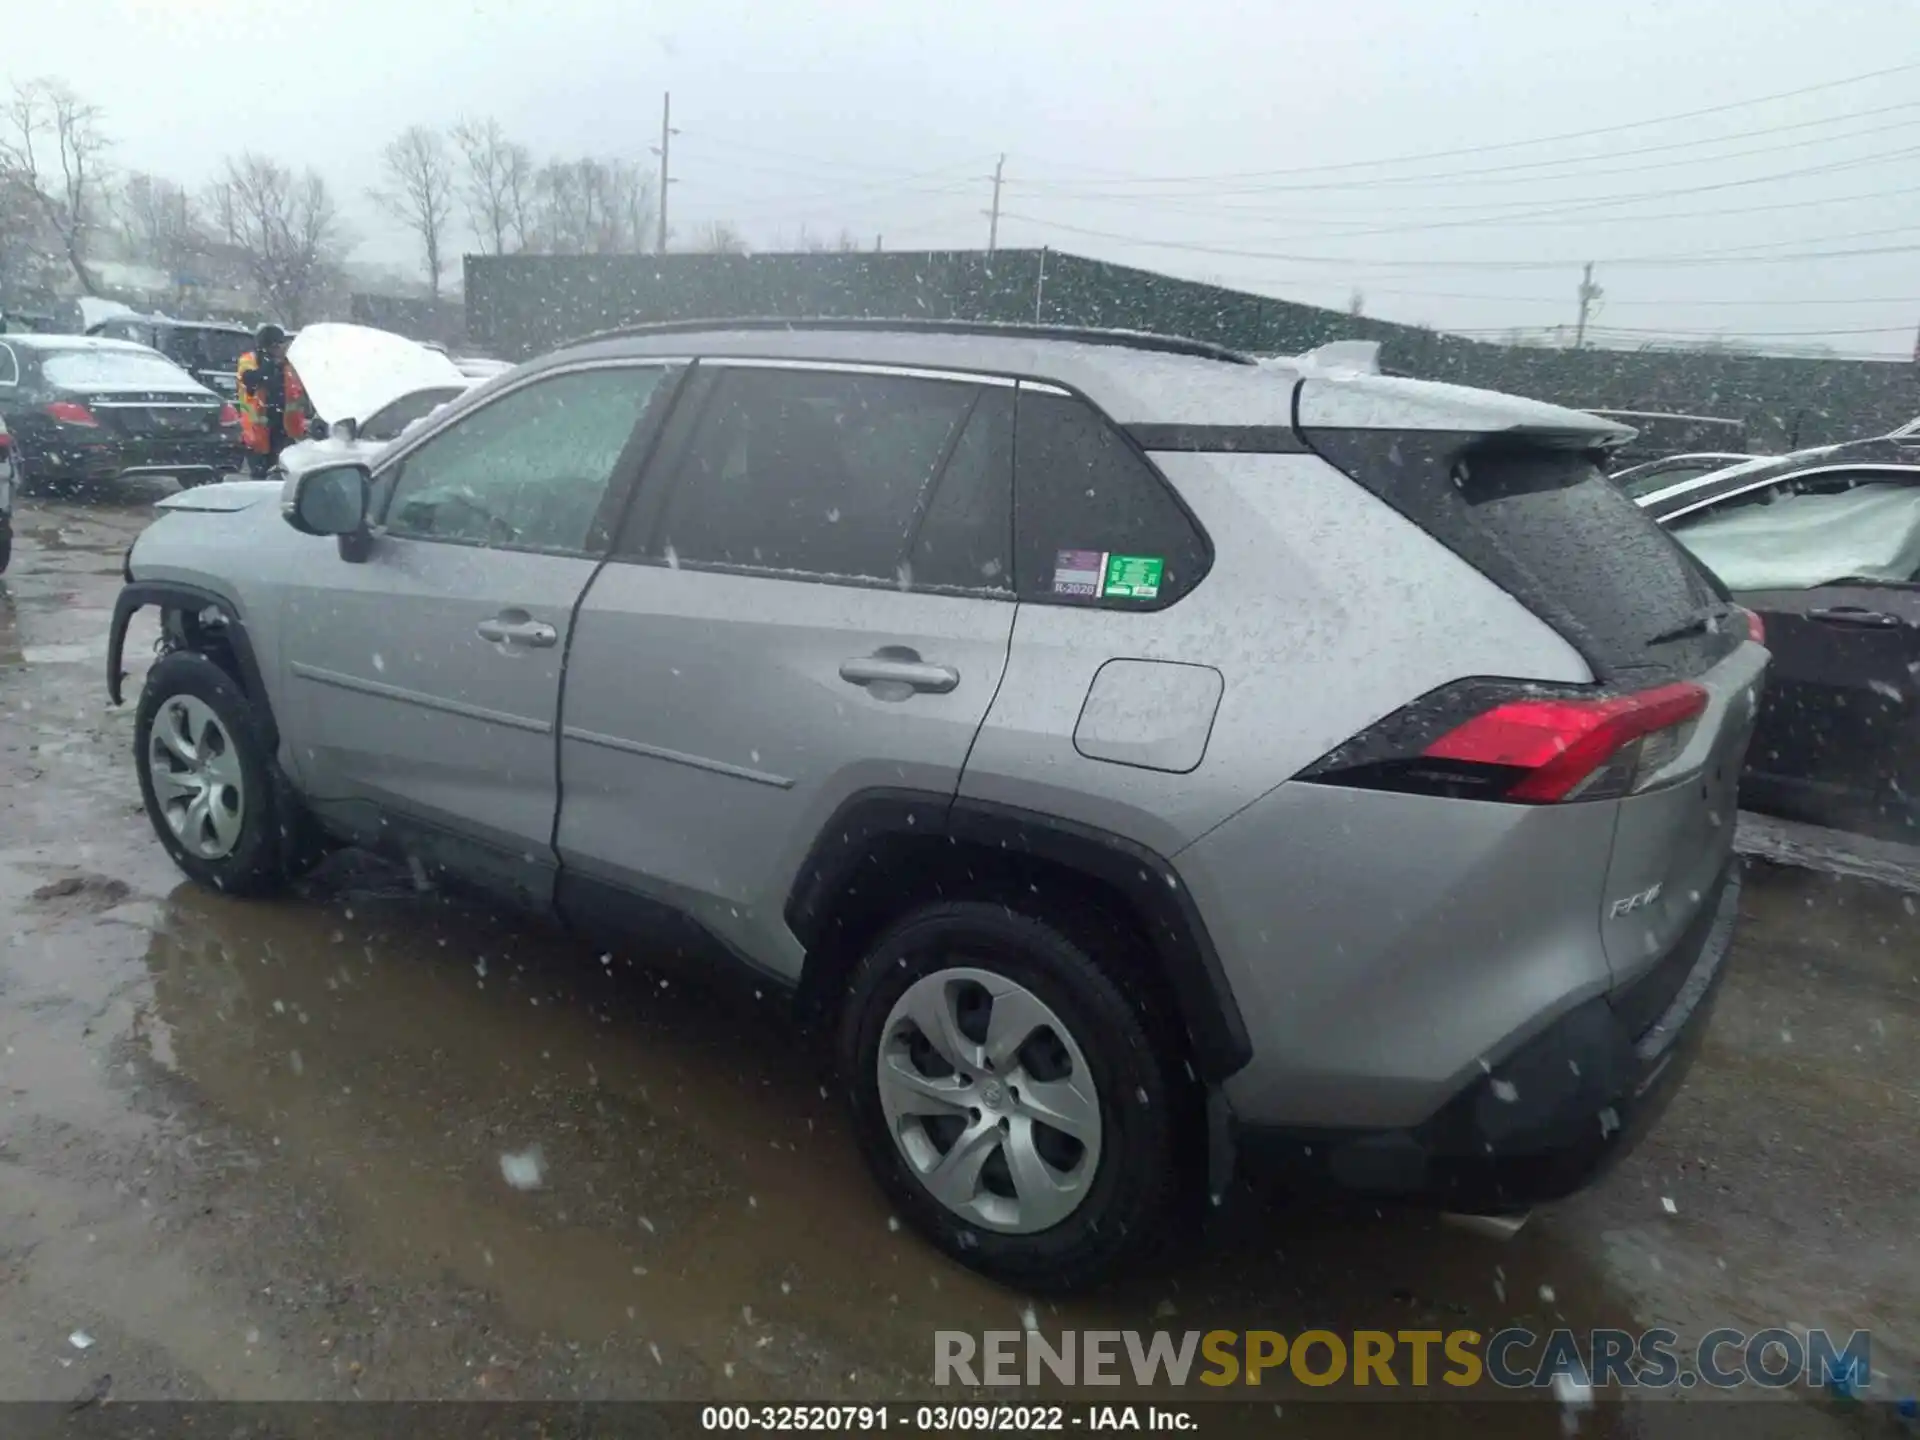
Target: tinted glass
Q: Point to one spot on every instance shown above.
(530, 470)
(210, 349)
(1094, 524)
(1638, 485)
(812, 471)
(114, 370)
(966, 536)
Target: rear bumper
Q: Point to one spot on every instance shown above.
(1545, 1121)
(111, 461)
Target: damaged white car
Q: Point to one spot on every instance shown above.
(368, 386)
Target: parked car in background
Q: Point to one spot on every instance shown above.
(1026, 705)
(1644, 479)
(84, 409)
(6, 495)
(210, 351)
(1660, 433)
(1824, 545)
(478, 367)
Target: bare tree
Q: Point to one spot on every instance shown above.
(718, 237)
(52, 145)
(286, 225)
(419, 192)
(496, 185)
(631, 208)
(160, 224)
(1357, 303)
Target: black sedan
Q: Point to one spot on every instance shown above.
(84, 410)
(1824, 546)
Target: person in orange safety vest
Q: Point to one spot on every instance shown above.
(273, 404)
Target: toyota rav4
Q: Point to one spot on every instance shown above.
(1148, 764)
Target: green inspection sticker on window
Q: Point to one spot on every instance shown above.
(1133, 577)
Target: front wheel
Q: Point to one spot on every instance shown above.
(212, 789)
(1008, 1097)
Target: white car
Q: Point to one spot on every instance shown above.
(369, 385)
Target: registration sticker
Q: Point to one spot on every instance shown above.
(1132, 577)
(1079, 572)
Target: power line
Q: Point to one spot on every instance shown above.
(1449, 176)
(1524, 144)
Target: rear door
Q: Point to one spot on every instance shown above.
(426, 680)
(813, 600)
(1829, 562)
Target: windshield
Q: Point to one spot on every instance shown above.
(114, 370)
(1789, 541)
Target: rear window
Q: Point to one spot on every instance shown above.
(113, 370)
(1552, 530)
(209, 349)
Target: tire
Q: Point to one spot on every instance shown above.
(253, 836)
(6, 542)
(1120, 1171)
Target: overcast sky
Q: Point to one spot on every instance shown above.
(1206, 126)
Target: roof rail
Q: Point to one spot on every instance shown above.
(1084, 335)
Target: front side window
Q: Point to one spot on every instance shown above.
(1093, 524)
(818, 472)
(529, 470)
(1860, 526)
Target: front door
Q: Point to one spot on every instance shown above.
(814, 600)
(425, 681)
(1839, 735)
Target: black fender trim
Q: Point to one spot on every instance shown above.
(1147, 881)
(172, 594)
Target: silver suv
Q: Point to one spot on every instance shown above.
(1148, 764)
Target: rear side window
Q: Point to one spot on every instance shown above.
(819, 472)
(1093, 523)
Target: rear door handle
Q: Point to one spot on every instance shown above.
(1854, 615)
(916, 674)
(516, 627)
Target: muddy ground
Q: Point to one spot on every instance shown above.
(253, 1150)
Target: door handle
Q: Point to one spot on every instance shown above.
(516, 627)
(914, 673)
(1854, 615)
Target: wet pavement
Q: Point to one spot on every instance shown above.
(264, 1150)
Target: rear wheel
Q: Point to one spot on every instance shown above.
(1008, 1097)
(6, 542)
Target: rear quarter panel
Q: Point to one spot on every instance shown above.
(1324, 611)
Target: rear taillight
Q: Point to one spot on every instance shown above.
(1756, 627)
(229, 417)
(71, 412)
(1529, 749)
(6, 442)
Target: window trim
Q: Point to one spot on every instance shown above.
(657, 481)
(1668, 520)
(622, 483)
(13, 360)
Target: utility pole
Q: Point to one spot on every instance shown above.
(993, 215)
(1589, 292)
(667, 132)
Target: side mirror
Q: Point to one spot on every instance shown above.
(346, 428)
(328, 499)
